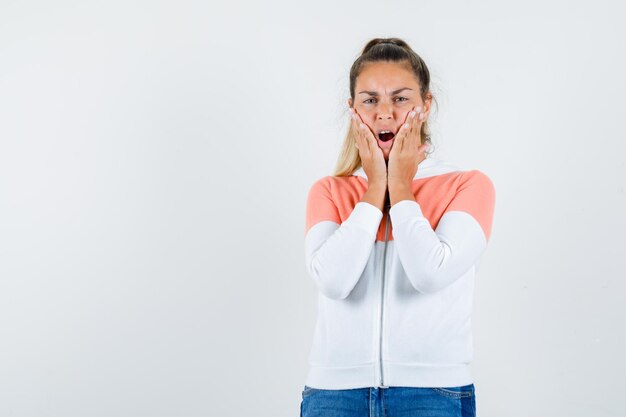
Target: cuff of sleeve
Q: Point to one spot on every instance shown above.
(404, 210)
(366, 216)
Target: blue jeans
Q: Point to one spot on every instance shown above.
(389, 402)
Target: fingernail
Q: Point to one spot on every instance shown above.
(412, 114)
(406, 125)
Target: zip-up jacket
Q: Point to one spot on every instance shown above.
(395, 287)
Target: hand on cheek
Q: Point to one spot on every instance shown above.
(407, 151)
(372, 158)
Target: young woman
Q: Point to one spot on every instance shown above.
(393, 242)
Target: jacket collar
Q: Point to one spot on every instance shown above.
(427, 168)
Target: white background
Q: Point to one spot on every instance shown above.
(155, 159)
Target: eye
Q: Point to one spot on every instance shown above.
(399, 99)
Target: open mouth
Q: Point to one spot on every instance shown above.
(386, 136)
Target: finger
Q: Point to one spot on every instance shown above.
(406, 130)
(365, 142)
(357, 136)
(354, 128)
(417, 124)
(417, 127)
(409, 116)
(409, 139)
(367, 134)
(402, 136)
(357, 126)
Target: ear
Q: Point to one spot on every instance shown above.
(349, 102)
(427, 103)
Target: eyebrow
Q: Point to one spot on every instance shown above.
(374, 93)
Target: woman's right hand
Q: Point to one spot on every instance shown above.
(372, 158)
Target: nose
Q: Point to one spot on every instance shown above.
(385, 112)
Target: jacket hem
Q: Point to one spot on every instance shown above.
(395, 375)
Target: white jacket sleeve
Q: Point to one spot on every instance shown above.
(434, 259)
(336, 252)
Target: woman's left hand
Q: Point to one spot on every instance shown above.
(407, 152)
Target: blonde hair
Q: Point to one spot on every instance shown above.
(376, 50)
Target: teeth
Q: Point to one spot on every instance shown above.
(386, 131)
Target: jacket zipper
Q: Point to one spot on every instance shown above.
(382, 301)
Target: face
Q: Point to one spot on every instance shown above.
(385, 92)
